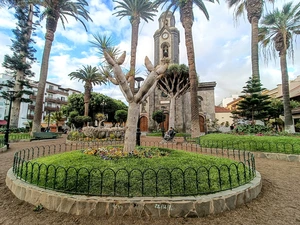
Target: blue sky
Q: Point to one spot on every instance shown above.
(222, 48)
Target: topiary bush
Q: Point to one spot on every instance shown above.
(252, 129)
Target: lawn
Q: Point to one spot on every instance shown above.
(176, 173)
(275, 144)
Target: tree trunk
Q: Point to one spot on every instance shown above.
(87, 98)
(288, 119)
(254, 11)
(38, 110)
(186, 16)
(254, 48)
(172, 112)
(131, 127)
(16, 105)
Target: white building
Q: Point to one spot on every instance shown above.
(225, 101)
(54, 97)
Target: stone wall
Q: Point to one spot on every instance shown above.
(193, 206)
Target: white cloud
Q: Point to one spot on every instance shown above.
(222, 49)
(7, 19)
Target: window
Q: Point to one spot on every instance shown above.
(51, 87)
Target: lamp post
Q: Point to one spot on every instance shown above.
(138, 130)
(11, 95)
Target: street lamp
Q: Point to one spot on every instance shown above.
(138, 130)
(10, 95)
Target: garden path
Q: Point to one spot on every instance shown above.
(278, 203)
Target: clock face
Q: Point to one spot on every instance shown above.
(165, 35)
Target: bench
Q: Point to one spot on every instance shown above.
(43, 135)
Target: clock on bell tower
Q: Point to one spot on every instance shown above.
(166, 40)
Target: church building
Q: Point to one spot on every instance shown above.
(166, 50)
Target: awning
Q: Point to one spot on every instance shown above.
(3, 122)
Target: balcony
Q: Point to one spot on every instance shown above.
(51, 109)
(53, 91)
(53, 100)
(56, 100)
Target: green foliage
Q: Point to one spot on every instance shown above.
(252, 129)
(121, 116)
(159, 116)
(254, 105)
(100, 116)
(88, 75)
(277, 143)
(297, 125)
(276, 108)
(83, 119)
(75, 135)
(213, 125)
(162, 160)
(278, 29)
(116, 152)
(14, 130)
(99, 103)
(175, 80)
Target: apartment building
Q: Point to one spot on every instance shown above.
(54, 97)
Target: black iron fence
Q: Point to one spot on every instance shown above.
(176, 181)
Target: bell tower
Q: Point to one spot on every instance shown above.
(166, 40)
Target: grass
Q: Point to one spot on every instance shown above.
(14, 136)
(17, 136)
(274, 144)
(177, 174)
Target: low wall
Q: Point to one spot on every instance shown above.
(193, 206)
(277, 156)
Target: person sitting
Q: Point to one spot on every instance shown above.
(170, 134)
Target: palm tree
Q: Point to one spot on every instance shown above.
(136, 10)
(55, 10)
(254, 10)
(90, 76)
(277, 33)
(57, 117)
(187, 18)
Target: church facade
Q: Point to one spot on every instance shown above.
(166, 50)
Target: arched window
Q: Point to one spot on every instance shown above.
(165, 51)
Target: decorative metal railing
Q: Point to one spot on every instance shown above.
(178, 181)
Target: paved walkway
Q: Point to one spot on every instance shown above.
(279, 202)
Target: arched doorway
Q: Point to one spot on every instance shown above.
(144, 124)
(202, 123)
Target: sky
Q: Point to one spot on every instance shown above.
(222, 47)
